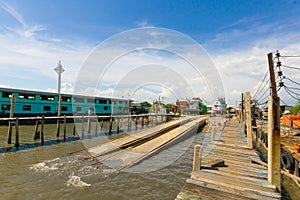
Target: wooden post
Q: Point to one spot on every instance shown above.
(101, 125)
(274, 143)
(58, 115)
(213, 130)
(57, 127)
(42, 130)
(110, 125)
(36, 133)
(17, 144)
(197, 157)
(65, 127)
(118, 125)
(11, 115)
(128, 122)
(82, 127)
(96, 126)
(74, 127)
(274, 173)
(89, 121)
(248, 120)
(9, 132)
(242, 114)
(143, 118)
(136, 122)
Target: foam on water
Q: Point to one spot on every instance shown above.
(47, 166)
(76, 182)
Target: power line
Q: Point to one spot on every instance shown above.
(292, 91)
(290, 94)
(261, 83)
(264, 88)
(286, 66)
(291, 80)
(297, 56)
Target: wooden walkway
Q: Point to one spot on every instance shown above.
(238, 178)
(131, 149)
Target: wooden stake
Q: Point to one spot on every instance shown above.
(96, 126)
(197, 157)
(17, 144)
(118, 125)
(213, 130)
(248, 120)
(65, 127)
(74, 128)
(11, 115)
(36, 133)
(89, 121)
(82, 127)
(42, 130)
(274, 169)
(9, 132)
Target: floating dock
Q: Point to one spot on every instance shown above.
(228, 171)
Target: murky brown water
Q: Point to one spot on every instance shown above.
(51, 172)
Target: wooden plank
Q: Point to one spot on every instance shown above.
(221, 179)
(244, 192)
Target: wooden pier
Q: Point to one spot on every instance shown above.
(231, 170)
(128, 150)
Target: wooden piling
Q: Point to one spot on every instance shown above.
(65, 127)
(213, 130)
(274, 148)
(118, 125)
(110, 125)
(17, 144)
(89, 121)
(82, 127)
(101, 125)
(197, 158)
(11, 115)
(74, 127)
(136, 122)
(9, 132)
(248, 120)
(42, 130)
(57, 127)
(96, 126)
(36, 128)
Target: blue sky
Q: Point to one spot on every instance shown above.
(237, 35)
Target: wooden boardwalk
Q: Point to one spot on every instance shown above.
(131, 149)
(238, 178)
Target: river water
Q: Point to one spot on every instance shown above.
(52, 171)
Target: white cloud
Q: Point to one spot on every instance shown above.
(241, 56)
(27, 52)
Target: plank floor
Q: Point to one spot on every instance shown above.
(239, 178)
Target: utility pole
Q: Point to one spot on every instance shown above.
(274, 149)
(242, 114)
(248, 120)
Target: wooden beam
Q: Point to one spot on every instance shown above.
(248, 120)
(274, 168)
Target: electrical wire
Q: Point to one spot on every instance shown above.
(264, 88)
(286, 66)
(290, 94)
(297, 56)
(292, 80)
(261, 83)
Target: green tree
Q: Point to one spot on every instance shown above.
(146, 104)
(295, 109)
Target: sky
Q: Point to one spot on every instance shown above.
(235, 35)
